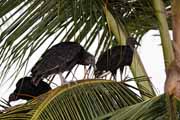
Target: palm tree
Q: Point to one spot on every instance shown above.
(28, 25)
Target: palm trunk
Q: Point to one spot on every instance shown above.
(137, 67)
(164, 32)
(172, 84)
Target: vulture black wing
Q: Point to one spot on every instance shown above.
(26, 90)
(102, 62)
(56, 59)
(42, 87)
(114, 58)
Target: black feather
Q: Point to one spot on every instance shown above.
(61, 57)
(115, 58)
(26, 90)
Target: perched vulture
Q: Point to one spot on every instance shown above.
(26, 90)
(116, 57)
(61, 57)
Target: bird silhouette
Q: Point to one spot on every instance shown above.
(26, 90)
(116, 57)
(61, 57)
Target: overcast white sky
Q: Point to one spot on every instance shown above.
(152, 58)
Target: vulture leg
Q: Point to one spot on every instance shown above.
(74, 75)
(90, 74)
(121, 72)
(88, 71)
(114, 75)
(85, 72)
(111, 77)
(51, 79)
(62, 78)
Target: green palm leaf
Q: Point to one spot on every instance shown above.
(152, 109)
(27, 25)
(86, 99)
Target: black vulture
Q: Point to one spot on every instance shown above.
(26, 90)
(61, 57)
(116, 57)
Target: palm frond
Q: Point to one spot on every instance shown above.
(28, 25)
(152, 109)
(87, 99)
(39, 20)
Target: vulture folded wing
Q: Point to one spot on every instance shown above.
(56, 59)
